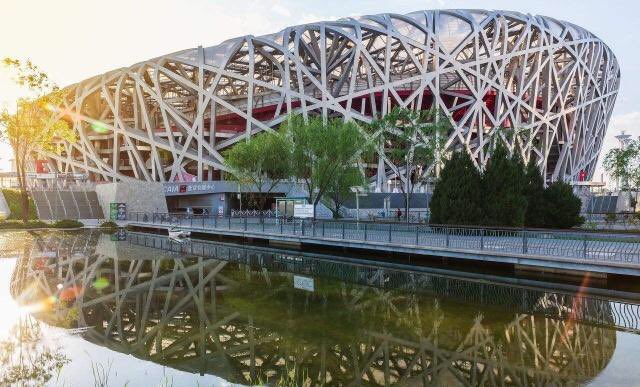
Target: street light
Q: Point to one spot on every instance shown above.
(359, 191)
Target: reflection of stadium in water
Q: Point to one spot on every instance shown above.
(240, 318)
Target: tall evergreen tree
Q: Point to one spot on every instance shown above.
(503, 182)
(456, 197)
(562, 207)
(534, 192)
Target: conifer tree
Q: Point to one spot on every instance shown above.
(534, 192)
(562, 207)
(456, 197)
(503, 181)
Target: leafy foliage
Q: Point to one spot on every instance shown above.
(340, 189)
(68, 223)
(263, 162)
(624, 164)
(33, 127)
(411, 140)
(457, 195)
(322, 152)
(14, 200)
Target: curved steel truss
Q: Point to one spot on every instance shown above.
(169, 118)
(241, 319)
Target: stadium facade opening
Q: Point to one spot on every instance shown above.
(169, 118)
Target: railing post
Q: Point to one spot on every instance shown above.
(313, 227)
(215, 221)
(245, 224)
(482, 239)
(192, 222)
(417, 234)
(447, 232)
(229, 222)
(323, 229)
(302, 227)
(584, 246)
(281, 225)
(343, 230)
(365, 231)
(524, 242)
(294, 227)
(389, 232)
(262, 221)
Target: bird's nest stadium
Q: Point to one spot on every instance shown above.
(169, 118)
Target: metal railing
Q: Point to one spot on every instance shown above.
(592, 247)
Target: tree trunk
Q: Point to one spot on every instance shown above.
(23, 189)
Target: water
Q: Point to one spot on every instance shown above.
(83, 308)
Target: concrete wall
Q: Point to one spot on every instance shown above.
(140, 196)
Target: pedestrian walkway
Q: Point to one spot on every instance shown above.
(614, 254)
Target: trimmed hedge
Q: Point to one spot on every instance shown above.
(15, 204)
(109, 224)
(68, 223)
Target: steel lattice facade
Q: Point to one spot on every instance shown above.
(169, 118)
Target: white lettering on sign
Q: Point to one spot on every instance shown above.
(303, 210)
(188, 187)
(303, 283)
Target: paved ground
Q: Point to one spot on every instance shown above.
(587, 247)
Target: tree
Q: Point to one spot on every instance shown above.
(340, 189)
(457, 196)
(561, 206)
(322, 151)
(503, 191)
(33, 128)
(623, 164)
(413, 142)
(534, 193)
(263, 161)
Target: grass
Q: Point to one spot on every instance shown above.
(35, 224)
(15, 204)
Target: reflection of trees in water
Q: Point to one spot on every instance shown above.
(25, 358)
(244, 322)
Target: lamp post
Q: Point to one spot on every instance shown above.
(359, 191)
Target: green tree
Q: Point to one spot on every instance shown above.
(36, 124)
(534, 192)
(340, 189)
(503, 191)
(413, 141)
(561, 206)
(623, 164)
(322, 151)
(263, 161)
(457, 196)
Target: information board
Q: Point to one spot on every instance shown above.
(118, 211)
(303, 211)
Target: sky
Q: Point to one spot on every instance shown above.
(76, 39)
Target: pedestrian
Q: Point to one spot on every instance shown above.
(398, 214)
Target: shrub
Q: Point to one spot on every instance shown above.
(562, 207)
(456, 197)
(14, 201)
(109, 224)
(68, 223)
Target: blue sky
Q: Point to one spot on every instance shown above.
(76, 39)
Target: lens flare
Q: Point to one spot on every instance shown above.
(99, 127)
(100, 283)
